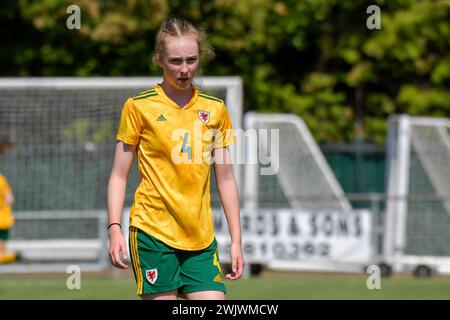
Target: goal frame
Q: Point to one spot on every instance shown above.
(233, 87)
(397, 177)
(252, 171)
(232, 84)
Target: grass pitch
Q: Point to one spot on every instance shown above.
(267, 286)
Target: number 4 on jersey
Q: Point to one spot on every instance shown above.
(185, 148)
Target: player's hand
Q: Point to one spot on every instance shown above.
(117, 248)
(237, 261)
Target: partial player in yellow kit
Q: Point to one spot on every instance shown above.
(6, 219)
(176, 132)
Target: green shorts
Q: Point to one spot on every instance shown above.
(4, 234)
(159, 268)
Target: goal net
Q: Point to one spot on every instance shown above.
(293, 204)
(417, 225)
(62, 132)
(290, 171)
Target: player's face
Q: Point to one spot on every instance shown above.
(180, 61)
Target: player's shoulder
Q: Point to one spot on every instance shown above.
(211, 99)
(144, 95)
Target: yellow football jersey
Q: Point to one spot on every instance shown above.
(174, 145)
(6, 217)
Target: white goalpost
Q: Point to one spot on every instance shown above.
(302, 173)
(417, 222)
(63, 132)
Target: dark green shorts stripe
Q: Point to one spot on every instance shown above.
(135, 259)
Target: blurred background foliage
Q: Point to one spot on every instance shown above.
(314, 58)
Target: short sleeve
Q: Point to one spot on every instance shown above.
(225, 134)
(130, 125)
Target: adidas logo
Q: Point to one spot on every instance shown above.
(161, 118)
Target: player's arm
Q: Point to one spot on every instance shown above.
(229, 196)
(123, 158)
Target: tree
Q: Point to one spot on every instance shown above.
(314, 58)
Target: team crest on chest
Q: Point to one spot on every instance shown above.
(151, 275)
(203, 116)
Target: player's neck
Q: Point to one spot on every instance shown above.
(180, 97)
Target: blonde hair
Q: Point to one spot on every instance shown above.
(177, 27)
